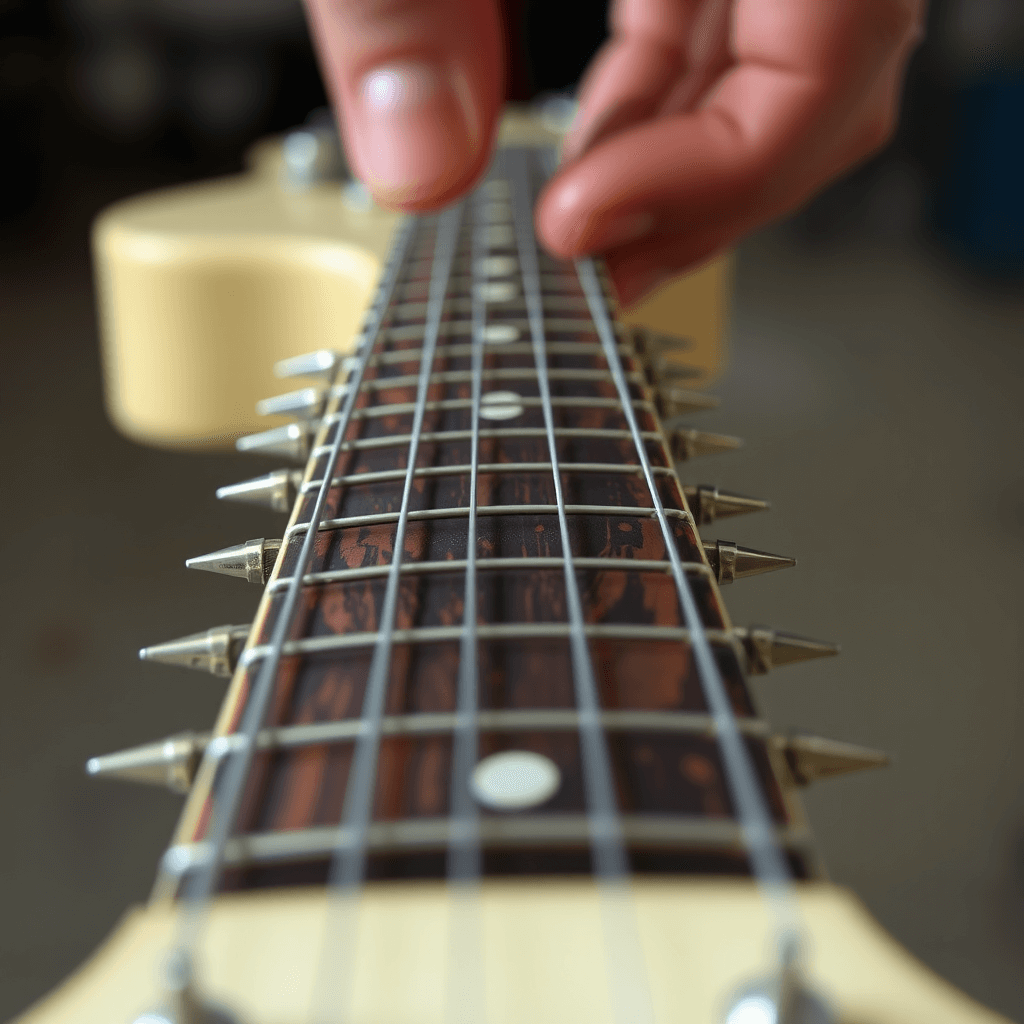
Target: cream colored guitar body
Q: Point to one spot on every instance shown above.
(202, 288)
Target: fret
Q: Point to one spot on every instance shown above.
(458, 512)
(552, 304)
(521, 831)
(459, 404)
(495, 631)
(554, 324)
(496, 564)
(465, 377)
(385, 475)
(584, 349)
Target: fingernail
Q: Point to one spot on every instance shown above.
(418, 129)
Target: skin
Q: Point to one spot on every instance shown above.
(699, 121)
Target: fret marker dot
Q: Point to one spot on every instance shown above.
(500, 405)
(500, 334)
(496, 291)
(497, 266)
(514, 780)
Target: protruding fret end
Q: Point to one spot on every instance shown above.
(291, 441)
(214, 650)
(708, 503)
(311, 364)
(686, 443)
(810, 758)
(276, 491)
(767, 648)
(172, 762)
(252, 561)
(304, 404)
(730, 561)
(675, 401)
(654, 343)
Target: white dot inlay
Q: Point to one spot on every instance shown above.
(497, 266)
(500, 405)
(500, 334)
(496, 213)
(514, 780)
(499, 236)
(496, 189)
(496, 291)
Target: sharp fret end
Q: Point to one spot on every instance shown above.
(321, 363)
(708, 503)
(810, 758)
(292, 442)
(676, 401)
(304, 404)
(276, 491)
(730, 561)
(687, 443)
(253, 560)
(767, 648)
(171, 762)
(214, 650)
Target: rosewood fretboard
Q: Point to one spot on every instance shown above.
(667, 772)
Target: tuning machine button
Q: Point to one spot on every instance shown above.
(252, 561)
(276, 491)
(304, 404)
(810, 758)
(171, 762)
(686, 443)
(292, 441)
(730, 561)
(767, 648)
(215, 650)
(708, 503)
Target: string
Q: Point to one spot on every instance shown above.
(349, 860)
(236, 755)
(630, 996)
(767, 861)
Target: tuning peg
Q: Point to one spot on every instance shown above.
(292, 441)
(730, 561)
(768, 648)
(812, 757)
(312, 364)
(304, 404)
(252, 561)
(276, 491)
(654, 343)
(215, 650)
(708, 503)
(172, 762)
(673, 401)
(686, 443)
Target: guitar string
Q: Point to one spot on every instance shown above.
(334, 986)
(630, 996)
(767, 860)
(465, 860)
(199, 886)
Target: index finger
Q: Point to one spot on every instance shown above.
(419, 85)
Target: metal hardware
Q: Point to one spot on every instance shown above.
(304, 404)
(675, 401)
(215, 650)
(292, 441)
(810, 758)
(321, 363)
(312, 155)
(767, 648)
(276, 491)
(708, 503)
(252, 561)
(651, 343)
(181, 1003)
(686, 443)
(730, 561)
(171, 762)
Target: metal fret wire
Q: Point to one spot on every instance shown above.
(349, 860)
(631, 1000)
(767, 861)
(198, 889)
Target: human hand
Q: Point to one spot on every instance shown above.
(699, 121)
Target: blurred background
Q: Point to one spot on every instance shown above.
(876, 372)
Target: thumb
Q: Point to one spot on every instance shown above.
(419, 85)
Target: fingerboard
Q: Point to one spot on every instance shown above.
(667, 775)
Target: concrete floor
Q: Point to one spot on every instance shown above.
(881, 396)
